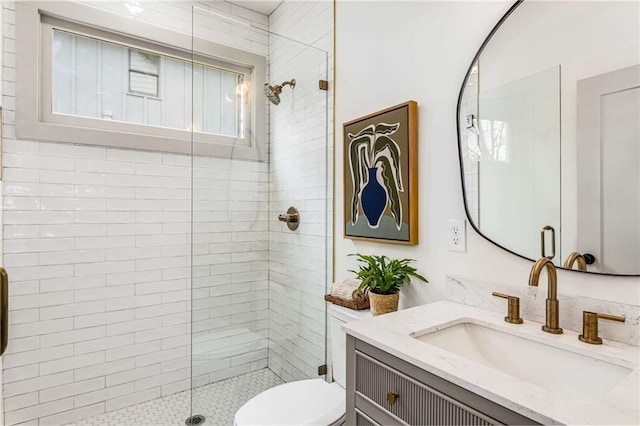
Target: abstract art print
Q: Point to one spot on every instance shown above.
(380, 176)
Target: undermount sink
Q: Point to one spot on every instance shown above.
(550, 367)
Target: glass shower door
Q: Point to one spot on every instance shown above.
(258, 314)
(298, 178)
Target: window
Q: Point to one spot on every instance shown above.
(97, 79)
(108, 88)
(143, 72)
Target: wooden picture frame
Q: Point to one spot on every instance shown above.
(381, 176)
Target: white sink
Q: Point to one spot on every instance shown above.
(550, 367)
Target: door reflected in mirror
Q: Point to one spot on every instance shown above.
(549, 133)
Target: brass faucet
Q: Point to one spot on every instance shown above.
(590, 326)
(552, 324)
(573, 258)
(513, 315)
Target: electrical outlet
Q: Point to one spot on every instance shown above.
(457, 235)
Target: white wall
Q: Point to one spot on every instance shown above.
(99, 255)
(426, 49)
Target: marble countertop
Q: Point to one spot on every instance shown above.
(392, 333)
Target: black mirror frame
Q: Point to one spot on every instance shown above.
(462, 181)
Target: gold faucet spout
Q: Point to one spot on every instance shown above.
(552, 277)
(576, 257)
(552, 324)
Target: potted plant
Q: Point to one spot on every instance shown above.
(384, 277)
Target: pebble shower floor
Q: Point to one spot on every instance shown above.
(218, 402)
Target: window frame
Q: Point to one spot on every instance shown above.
(34, 114)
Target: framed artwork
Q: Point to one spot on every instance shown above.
(381, 176)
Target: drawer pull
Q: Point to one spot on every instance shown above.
(391, 397)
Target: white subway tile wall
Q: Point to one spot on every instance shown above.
(301, 148)
(98, 247)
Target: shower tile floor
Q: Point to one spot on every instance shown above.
(218, 402)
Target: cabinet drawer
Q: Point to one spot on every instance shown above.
(363, 420)
(416, 404)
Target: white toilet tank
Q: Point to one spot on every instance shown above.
(339, 315)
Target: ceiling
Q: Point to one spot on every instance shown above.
(266, 7)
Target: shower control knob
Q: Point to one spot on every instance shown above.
(288, 218)
(291, 218)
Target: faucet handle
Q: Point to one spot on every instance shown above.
(513, 314)
(590, 326)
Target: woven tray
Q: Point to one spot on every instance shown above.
(357, 306)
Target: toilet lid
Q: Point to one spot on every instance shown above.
(306, 402)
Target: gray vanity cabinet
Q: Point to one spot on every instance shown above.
(385, 390)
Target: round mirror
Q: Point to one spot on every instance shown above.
(549, 134)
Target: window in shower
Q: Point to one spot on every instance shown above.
(109, 81)
(106, 87)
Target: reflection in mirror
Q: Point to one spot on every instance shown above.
(512, 159)
(549, 133)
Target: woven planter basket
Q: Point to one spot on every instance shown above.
(383, 303)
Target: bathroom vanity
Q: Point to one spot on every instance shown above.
(449, 363)
(384, 389)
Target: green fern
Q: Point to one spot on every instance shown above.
(383, 275)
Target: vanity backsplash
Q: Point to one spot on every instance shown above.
(532, 306)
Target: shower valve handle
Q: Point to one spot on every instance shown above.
(291, 218)
(288, 218)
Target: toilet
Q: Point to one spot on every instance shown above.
(307, 402)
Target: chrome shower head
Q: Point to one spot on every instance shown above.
(273, 92)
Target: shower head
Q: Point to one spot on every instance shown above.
(273, 92)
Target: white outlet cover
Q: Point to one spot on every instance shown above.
(457, 235)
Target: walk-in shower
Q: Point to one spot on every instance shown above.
(150, 285)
